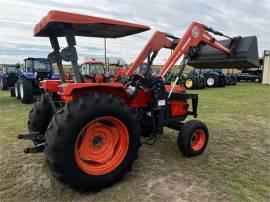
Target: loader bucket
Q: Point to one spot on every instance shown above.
(245, 55)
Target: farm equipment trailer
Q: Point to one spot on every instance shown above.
(34, 71)
(251, 74)
(92, 141)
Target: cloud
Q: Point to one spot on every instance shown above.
(18, 18)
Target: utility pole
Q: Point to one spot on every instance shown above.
(105, 53)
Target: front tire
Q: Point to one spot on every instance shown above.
(40, 116)
(12, 92)
(17, 90)
(211, 81)
(26, 91)
(190, 83)
(193, 138)
(103, 160)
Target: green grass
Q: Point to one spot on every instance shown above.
(235, 166)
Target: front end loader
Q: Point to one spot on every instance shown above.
(91, 132)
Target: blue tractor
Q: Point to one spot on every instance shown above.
(215, 78)
(8, 77)
(34, 71)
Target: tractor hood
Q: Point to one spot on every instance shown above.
(36, 75)
(29, 75)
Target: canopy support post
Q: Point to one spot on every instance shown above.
(55, 57)
(69, 54)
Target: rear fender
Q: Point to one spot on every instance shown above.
(70, 91)
(212, 74)
(50, 85)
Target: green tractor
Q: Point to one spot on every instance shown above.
(191, 80)
(194, 80)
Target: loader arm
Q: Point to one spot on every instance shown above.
(195, 35)
(158, 40)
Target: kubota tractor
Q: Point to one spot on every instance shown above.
(94, 71)
(91, 132)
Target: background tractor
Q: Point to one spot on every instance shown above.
(91, 132)
(8, 77)
(94, 71)
(214, 78)
(191, 80)
(195, 80)
(34, 71)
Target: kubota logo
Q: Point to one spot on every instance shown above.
(195, 31)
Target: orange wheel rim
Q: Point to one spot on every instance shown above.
(198, 140)
(101, 146)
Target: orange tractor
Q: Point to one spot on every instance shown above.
(94, 71)
(91, 131)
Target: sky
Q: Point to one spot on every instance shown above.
(233, 17)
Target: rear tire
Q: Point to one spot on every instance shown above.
(146, 126)
(26, 91)
(258, 80)
(12, 91)
(193, 138)
(64, 132)
(40, 116)
(222, 81)
(3, 83)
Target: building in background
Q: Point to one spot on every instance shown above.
(266, 67)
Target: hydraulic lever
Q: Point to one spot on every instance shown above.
(181, 69)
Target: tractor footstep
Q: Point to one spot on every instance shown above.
(31, 136)
(37, 149)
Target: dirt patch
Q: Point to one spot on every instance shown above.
(26, 177)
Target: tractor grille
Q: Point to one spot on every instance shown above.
(43, 75)
(12, 78)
